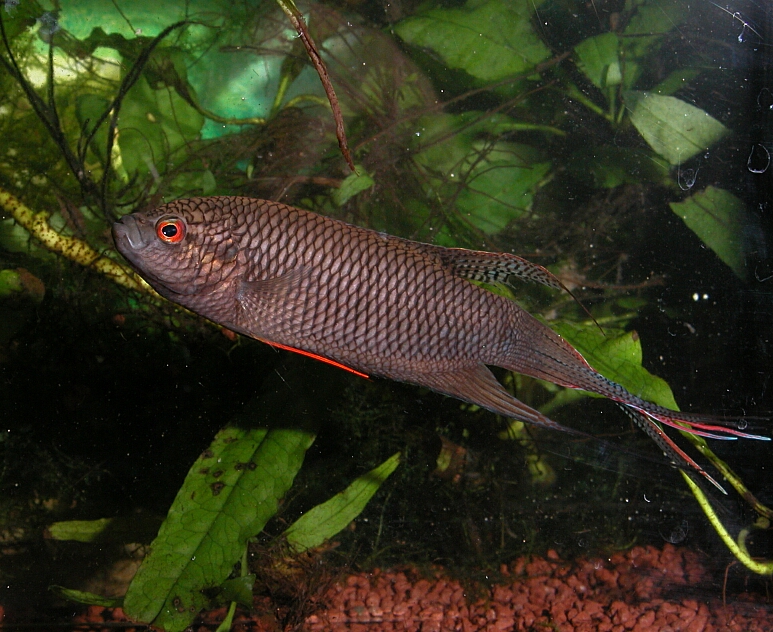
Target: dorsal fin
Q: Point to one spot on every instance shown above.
(498, 267)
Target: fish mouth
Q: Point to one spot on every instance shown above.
(128, 234)
(132, 234)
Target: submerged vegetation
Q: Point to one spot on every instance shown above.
(570, 136)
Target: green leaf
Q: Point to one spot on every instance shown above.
(20, 18)
(228, 496)
(326, 520)
(492, 182)
(79, 530)
(238, 589)
(612, 166)
(353, 184)
(131, 17)
(501, 185)
(136, 527)
(154, 128)
(598, 58)
(474, 39)
(676, 81)
(88, 110)
(90, 599)
(10, 283)
(674, 129)
(651, 21)
(720, 219)
(617, 356)
(193, 182)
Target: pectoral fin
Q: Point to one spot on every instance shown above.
(283, 288)
(268, 307)
(277, 303)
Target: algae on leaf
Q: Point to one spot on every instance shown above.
(473, 39)
(674, 129)
(720, 219)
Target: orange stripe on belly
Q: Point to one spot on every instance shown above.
(316, 357)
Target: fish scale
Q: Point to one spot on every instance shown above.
(374, 304)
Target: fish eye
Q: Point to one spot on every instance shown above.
(170, 230)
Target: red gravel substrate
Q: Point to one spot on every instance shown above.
(643, 590)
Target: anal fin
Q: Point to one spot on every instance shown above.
(478, 385)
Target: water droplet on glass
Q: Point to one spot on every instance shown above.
(759, 159)
(687, 178)
(742, 424)
(49, 24)
(765, 99)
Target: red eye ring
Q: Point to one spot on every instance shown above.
(171, 230)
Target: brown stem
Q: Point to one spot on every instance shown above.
(296, 19)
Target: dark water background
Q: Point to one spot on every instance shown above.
(105, 402)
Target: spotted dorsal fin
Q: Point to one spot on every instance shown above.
(498, 267)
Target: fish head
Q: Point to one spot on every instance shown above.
(180, 248)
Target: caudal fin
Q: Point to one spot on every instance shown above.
(546, 355)
(540, 352)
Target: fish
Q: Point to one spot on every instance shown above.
(377, 305)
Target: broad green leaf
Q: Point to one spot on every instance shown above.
(617, 356)
(654, 18)
(444, 141)
(676, 81)
(90, 599)
(326, 520)
(88, 109)
(674, 129)
(598, 58)
(497, 179)
(191, 183)
(154, 128)
(130, 17)
(238, 589)
(14, 238)
(719, 218)
(489, 39)
(20, 17)
(353, 184)
(501, 185)
(228, 496)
